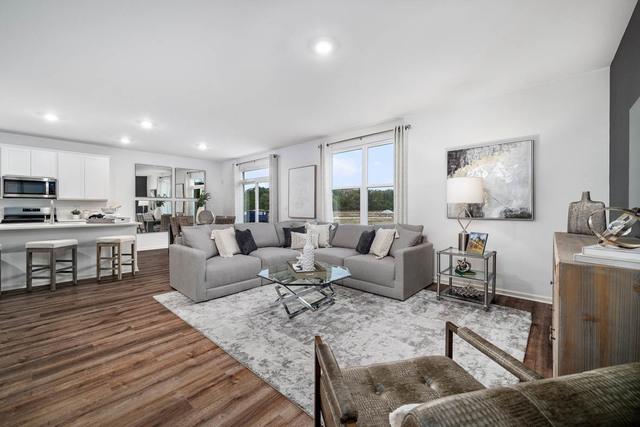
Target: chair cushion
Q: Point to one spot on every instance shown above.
(347, 235)
(263, 233)
(117, 239)
(379, 389)
(199, 237)
(407, 239)
(50, 244)
(245, 242)
(334, 255)
(368, 268)
(273, 256)
(221, 271)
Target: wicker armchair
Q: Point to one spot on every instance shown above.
(449, 396)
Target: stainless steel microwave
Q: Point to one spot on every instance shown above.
(28, 187)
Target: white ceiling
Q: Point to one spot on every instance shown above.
(240, 74)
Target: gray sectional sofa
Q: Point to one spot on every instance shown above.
(197, 271)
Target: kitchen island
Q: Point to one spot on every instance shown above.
(14, 236)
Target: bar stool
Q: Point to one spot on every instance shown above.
(115, 244)
(52, 247)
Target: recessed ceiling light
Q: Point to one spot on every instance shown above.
(323, 47)
(202, 146)
(146, 124)
(125, 140)
(50, 117)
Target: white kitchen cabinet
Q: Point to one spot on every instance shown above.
(16, 161)
(44, 163)
(71, 172)
(96, 178)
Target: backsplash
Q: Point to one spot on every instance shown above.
(63, 207)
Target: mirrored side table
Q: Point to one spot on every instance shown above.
(475, 288)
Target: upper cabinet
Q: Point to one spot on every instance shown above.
(26, 162)
(44, 163)
(83, 177)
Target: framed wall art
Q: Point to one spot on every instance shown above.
(507, 171)
(302, 192)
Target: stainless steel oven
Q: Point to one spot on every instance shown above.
(29, 187)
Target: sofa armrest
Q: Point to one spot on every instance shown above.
(187, 271)
(414, 268)
(494, 353)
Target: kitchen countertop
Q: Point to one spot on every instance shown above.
(57, 225)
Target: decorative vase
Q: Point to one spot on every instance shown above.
(579, 213)
(307, 258)
(200, 209)
(75, 217)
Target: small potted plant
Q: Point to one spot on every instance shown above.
(76, 213)
(201, 202)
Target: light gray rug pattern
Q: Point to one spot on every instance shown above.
(361, 328)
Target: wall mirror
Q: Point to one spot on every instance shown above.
(153, 181)
(190, 183)
(153, 215)
(185, 208)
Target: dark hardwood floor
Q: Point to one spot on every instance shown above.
(109, 354)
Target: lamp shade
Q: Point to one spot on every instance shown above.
(468, 189)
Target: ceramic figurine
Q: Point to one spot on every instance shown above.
(579, 213)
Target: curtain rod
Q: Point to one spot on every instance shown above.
(407, 127)
(256, 160)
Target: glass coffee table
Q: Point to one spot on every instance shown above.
(294, 286)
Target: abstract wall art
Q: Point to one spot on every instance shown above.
(507, 171)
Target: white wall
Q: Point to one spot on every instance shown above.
(570, 119)
(122, 188)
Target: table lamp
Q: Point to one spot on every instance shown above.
(464, 190)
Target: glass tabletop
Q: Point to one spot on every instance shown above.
(457, 252)
(324, 275)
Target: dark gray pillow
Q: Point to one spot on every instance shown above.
(287, 234)
(407, 239)
(366, 239)
(199, 237)
(245, 241)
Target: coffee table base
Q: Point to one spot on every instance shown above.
(289, 295)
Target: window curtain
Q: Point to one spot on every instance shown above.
(324, 187)
(273, 188)
(237, 187)
(400, 137)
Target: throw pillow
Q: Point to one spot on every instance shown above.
(324, 233)
(226, 242)
(396, 417)
(407, 239)
(199, 238)
(287, 234)
(245, 240)
(382, 242)
(298, 240)
(366, 239)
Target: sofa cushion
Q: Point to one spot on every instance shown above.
(407, 239)
(371, 269)
(382, 242)
(365, 241)
(287, 234)
(245, 241)
(289, 224)
(334, 255)
(272, 256)
(418, 228)
(199, 237)
(226, 242)
(347, 235)
(263, 233)
(221, 271)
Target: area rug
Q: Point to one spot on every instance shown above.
(361, 328)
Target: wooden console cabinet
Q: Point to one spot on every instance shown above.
(596, 310)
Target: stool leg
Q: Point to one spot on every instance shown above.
(52, 268)
(98, 253)
(134, 259)
(119, 247)
(74, 264)
(29, 270)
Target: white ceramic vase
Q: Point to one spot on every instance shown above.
(307, 258)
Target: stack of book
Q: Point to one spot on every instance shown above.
(616, 257)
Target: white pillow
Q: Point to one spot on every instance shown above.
(396, 417)
(298, 240)
(323, 231)
(382, 242)
(226, 242)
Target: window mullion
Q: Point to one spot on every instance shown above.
(364, 200)
(256, 201)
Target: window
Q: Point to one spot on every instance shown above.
(362, 183)
(255, 194)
